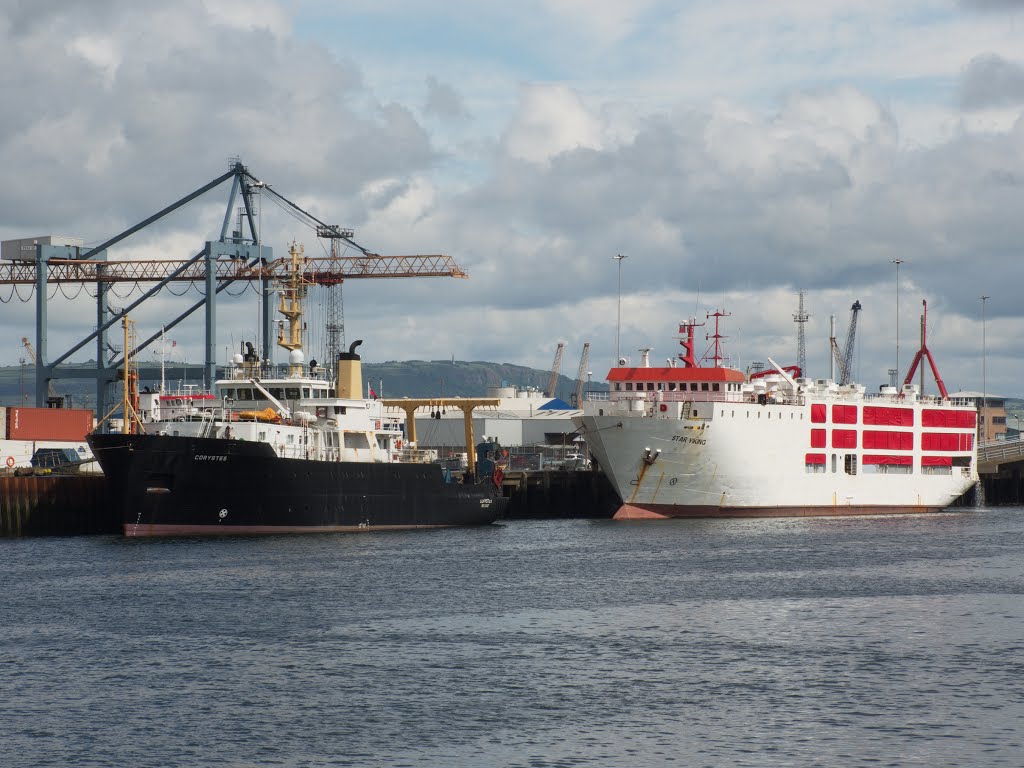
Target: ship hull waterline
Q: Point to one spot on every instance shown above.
(670, 511)
(188, 486)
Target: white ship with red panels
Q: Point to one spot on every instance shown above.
(711, 442)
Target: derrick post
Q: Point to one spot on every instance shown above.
(467, 419)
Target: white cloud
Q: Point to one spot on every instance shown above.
(551, 119)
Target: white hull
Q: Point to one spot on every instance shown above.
(747, 459)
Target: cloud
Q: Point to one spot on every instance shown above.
(443, 101)
(991, 81)
(993, 5)
(551, 119)
(735, 155)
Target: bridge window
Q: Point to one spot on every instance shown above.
(671, 386)
(356, 440)
(714, 387)
(650, 386)
(629, 386)
(704, 387)
(292, 393)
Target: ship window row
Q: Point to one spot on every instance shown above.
(279, 393)
(651, 386)
(779, 416)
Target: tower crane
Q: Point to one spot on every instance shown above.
(845, 361)
(556, 368)
(577, 395)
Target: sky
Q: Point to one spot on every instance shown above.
(735, 153)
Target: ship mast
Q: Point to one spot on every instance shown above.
(687, 356)
(292, 291)
(716, 345)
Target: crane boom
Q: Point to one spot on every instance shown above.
(321, 270)
(556, 368)
(837, 356)
(577, 395)
(846, 367)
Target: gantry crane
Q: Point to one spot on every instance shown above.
(845, 361)
(556, 368)
(233, 257)
(577, 395)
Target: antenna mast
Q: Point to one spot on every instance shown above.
(801, 318)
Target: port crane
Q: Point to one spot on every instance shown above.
(556, 368)
(844, 362)
(577, 395)
(51, 391)
(233, 257)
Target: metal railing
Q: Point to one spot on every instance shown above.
(1000, 450)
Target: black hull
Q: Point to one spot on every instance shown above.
(186, 486)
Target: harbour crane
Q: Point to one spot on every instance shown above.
(556, 368)
(221, 262)
(51, 392)
(577, 395)
(845, 361)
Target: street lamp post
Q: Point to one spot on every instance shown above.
(897, 262)
(984, 379)
(618, 322)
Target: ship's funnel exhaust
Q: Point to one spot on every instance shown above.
(350, 373)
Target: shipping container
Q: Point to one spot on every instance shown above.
(48, 423)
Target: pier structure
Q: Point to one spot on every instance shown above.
(465, 404)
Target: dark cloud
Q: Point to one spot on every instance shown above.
(993, 5)
(444, 101)
(991, 81)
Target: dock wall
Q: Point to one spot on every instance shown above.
(547, 494)
(56, 505)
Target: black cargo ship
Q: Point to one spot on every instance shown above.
(293, 449)
(182, 486)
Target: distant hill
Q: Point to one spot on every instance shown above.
(411, 378)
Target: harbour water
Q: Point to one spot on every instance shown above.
(824, 641)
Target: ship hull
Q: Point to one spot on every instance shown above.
(188, 486)
(748, 460)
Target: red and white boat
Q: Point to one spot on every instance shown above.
(692, 441)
